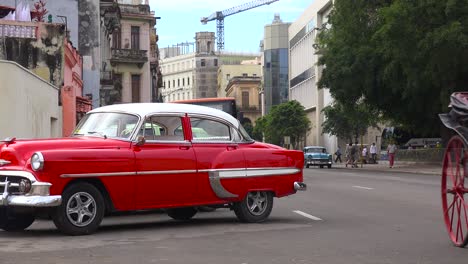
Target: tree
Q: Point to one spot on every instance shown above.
(259, 129)
(287, 119)
(349, 122)
(401, 57)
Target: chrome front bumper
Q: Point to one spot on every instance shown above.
(300, 186)
(38, 196)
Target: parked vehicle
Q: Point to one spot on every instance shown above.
(131, 157)
(454, 185)
(317, 156)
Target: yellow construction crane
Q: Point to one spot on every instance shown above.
(220, 15)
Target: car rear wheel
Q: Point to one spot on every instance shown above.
(12, 222)
(255, 208)
(81, 211)
(182, 214)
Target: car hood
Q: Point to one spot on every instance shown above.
(18, 152)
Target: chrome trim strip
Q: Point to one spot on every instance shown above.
(271, 172)
(221, 173)
(217, 187)
(87, 175)
(4, 162)
(166, 172)
(24, 174)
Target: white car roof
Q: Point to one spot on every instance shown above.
(144, 109)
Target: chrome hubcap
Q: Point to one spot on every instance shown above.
(257, 202)
(81, 209)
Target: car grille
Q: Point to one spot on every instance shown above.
(14, 184)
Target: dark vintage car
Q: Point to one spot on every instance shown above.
(317, 156)
(133, 157)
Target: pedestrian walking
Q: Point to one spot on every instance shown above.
(338, 154)
(355, 155)
(364, 154)
(373, 153)
(348, 154)
(391, 150)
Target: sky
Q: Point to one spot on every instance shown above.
(180, 19)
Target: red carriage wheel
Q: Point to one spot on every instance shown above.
(455, 191)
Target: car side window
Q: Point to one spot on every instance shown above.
(162, 128)
(206, 130)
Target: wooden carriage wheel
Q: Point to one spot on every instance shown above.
(455, 190)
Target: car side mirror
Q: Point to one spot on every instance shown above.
(140, 141)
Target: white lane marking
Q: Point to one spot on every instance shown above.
(362, 187)
(307, 215)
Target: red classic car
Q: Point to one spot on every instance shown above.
(144, 156)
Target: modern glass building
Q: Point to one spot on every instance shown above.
(275, 63)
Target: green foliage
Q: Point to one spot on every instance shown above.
(287, 119)
(260, 127)
(248, 127)
(349, 122)
(401, 57)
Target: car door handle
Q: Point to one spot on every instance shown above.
(184, 147)
(231, 147)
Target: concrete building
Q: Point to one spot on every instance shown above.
(245, 89)
(192, 75)
(43, 49)
(304, 72)
(126, 73)
(28, 108)
(74, 105)
(275, 63)
(227, 72)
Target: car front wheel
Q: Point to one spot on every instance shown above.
(81, 211)
(255, 208)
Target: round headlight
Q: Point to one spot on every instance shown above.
(37, 161)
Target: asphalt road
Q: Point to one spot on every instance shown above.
(346, 216)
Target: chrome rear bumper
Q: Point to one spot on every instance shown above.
(300, 186)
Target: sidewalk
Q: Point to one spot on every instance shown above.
(398, 166)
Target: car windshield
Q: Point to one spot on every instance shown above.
(114, 125)
(313, 150)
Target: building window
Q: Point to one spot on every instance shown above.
(245, 99)
(183, 82)
(202, 62)
(168, 84)
(135, 88)
(135, 35)
(228, 76)
(216, 62)
(173, 83)
(254, 75)
(245, 75)
(188, 80)
(116, 39)
(178, 82)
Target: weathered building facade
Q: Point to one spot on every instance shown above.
(245, 89)
(28, 108)
(130, 63)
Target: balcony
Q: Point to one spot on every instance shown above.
(249, 109)
(106, 78)
(132, 56)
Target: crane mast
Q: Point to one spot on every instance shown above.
(220, 15)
